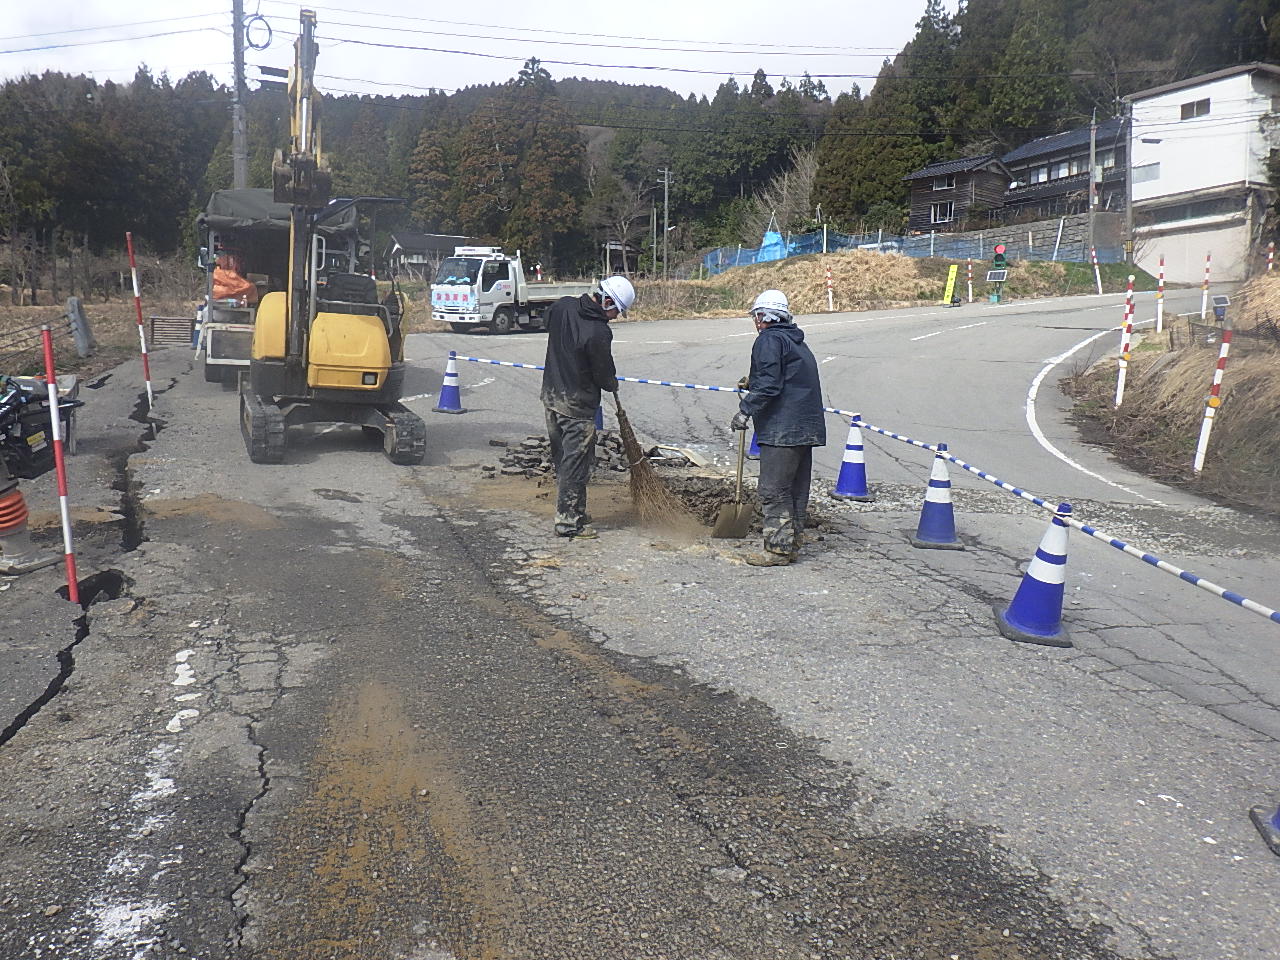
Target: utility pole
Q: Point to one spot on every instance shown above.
(653, 232)
(1093, 173)
(666, 217)
(239, 131)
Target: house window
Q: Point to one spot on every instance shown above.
(1197, 108)
(1037, 175)
(1078, 165)
(943, 212)
(1106, 159)
(945, 183)
(1060, 170)
(1146, 173)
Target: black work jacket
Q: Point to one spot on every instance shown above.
(579, 360)
(785, 395)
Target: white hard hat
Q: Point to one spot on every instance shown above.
(620, 291)
(774, 304)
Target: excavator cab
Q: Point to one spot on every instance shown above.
(325, 349)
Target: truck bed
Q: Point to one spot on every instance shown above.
(550, 292)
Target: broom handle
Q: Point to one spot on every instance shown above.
(742, 456)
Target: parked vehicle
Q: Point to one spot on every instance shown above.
(482, 286)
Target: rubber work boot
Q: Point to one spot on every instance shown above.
(769, 558)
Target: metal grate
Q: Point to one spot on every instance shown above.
(172, 330)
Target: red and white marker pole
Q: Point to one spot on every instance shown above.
(60, 464)
(831, 300)
(970, 278)
(1125, 339)
(1215, 397)
(1271, 256)
(1097, 274)
(142, 333)
(1204, 287)
(1160, 297)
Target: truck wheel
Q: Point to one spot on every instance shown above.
(504, 321)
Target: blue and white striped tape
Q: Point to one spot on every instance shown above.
(1194, 579)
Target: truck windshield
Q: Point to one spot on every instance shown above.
(461, 270)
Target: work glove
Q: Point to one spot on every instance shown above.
(739, 421)
(744, 384)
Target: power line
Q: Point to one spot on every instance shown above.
(94, 43)
(112, 26)
(570, 33)
(584, 43)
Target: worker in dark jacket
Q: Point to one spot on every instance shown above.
(784, 397)
(579, 365)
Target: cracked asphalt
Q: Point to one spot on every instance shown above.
(338, 708)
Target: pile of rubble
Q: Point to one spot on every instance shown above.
(531, 457)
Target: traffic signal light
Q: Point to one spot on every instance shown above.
(998, 262)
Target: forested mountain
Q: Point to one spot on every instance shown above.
(555, 166)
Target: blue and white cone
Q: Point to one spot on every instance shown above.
(852, 482)
(1267, 820)
(450, 395)
(753, 451)
(937, 527)
(1035, 615)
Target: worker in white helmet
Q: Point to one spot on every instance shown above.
(579, 365)
(784, 398)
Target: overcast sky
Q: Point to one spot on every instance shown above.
(693, 46)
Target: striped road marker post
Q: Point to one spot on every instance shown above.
(1214, 400)
(142, 333)
(1035, 614)
(1126, 338)
(937, 527)
(1097, 274)
(1204, 287)
(1160, 297)
(60, 463)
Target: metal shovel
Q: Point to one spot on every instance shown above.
(733, 522)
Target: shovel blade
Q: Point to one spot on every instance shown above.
(733, 522)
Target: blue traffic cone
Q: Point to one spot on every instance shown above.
(1267, 820)
(753, 451)
(450, 396)
(852, 482)
(937, 528)
(599, 417)
(1035, 615)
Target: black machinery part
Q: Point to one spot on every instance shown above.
(262, 425)
(404, 439)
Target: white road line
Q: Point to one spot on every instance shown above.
(935, 333)
(826, 359)
(1044, 441)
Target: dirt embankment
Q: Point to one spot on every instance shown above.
(1169, 377)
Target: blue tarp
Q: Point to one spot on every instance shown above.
(773, 247)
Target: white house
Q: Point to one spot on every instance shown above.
(1198, 152)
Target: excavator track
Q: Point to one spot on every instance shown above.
(405, 438)
(262, 425)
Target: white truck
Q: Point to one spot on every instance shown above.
(482, 286)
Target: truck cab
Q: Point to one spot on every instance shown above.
(482, 286)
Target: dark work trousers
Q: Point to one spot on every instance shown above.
(573, 453)
(785, 474)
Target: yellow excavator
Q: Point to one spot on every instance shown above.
(325, 350)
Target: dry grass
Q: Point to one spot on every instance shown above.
(114, 325)
(1158, 426)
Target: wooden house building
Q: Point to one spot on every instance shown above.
(943, 194)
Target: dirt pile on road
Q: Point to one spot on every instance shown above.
(1169, 377)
